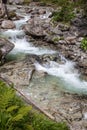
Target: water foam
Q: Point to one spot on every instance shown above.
(19, 23)
(13, 33)
(67, 73)
(23, 46)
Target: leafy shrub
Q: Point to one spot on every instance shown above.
(65, 14)
(40, 122)
(26, 2)
(55, 2)
(15, 115)
(84, 44)
(75, 4)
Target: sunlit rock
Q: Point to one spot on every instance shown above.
(7, 24)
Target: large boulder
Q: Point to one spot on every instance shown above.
(37, 27)
(36, 31)
(5, 48)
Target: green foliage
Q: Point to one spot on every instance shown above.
(13, 112)
(26, 2)
(40, 122)
(55, 2)
(56, 39)
(65, 14)
(15, 115)
(81, 4)
(84, 44)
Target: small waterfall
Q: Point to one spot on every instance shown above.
(19, 23)
(22, 45)
(13, 34)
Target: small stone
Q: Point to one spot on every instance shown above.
(71, 38)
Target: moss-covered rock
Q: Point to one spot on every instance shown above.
(26, 2)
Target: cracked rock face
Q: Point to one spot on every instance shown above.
(5, 48)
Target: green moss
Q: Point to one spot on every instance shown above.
(84, 44)
(65, 14)
(62, 38)
(12, 14)
(26, 2)
(55, 2)
(56, 39)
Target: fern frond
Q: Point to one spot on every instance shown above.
(6, 96)
(24, 110)
(28, 127)
(12, 108)
(17, 118)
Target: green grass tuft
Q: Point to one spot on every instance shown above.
(84, 44)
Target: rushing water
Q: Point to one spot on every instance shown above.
(22, 45)
(65, 74)
(18, 23)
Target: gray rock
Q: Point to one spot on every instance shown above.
(35, 31)
(36, 27)
(5, 48)
(82, 32)
(57, 31)
(16, 1)
(63, 27)
(7, 24)
(76, 22)
(71, 39)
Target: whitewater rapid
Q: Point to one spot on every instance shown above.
(69, 76)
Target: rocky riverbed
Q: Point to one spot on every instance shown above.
(65, 38)
(37, 84)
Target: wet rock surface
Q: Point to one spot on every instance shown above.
(5, 48)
